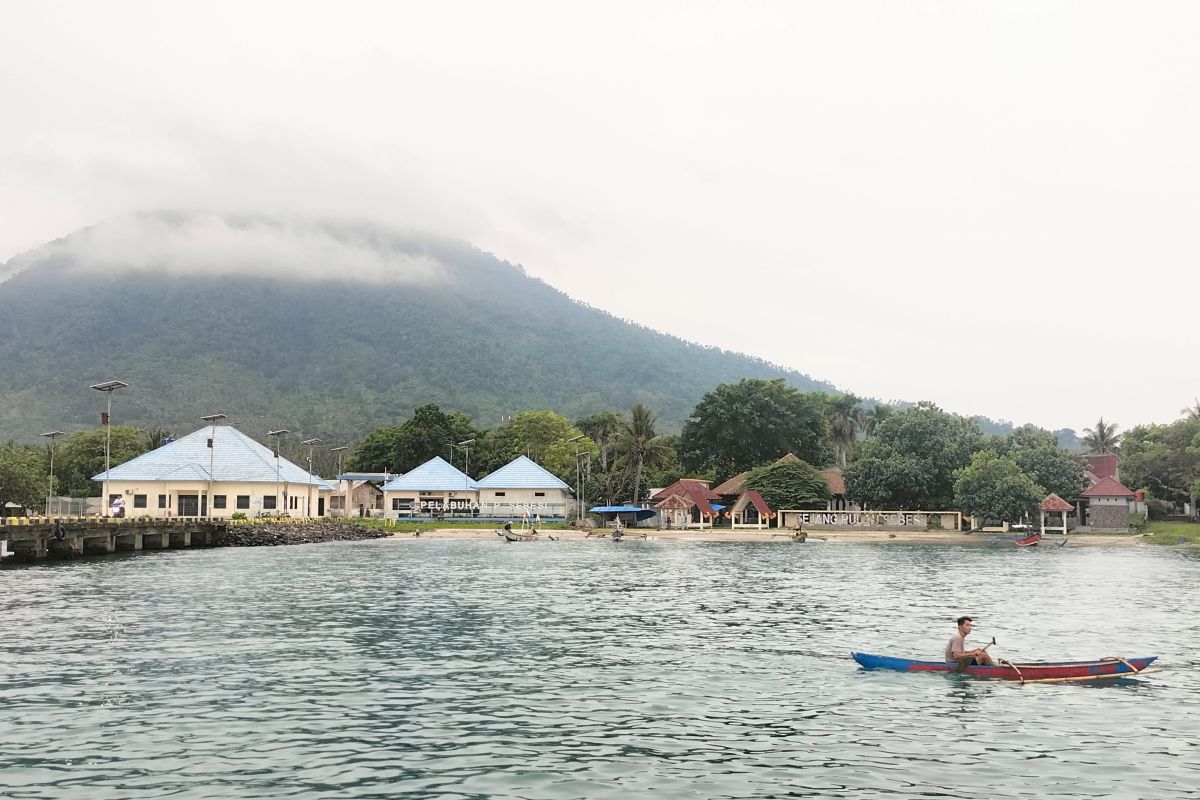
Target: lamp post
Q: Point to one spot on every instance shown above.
(466, 446)
(578, 494)
(308, 502)
(50, 491)
(108, 387)
(211, 419)
(276, 435)
(339, 450)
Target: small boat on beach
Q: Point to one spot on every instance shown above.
(1029, 541)
(509, 535)
(1026, 672)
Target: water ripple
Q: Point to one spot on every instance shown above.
(473, 669)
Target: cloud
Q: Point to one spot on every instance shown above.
(208, 244)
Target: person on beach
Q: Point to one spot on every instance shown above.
(956, 648)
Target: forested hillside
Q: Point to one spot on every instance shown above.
(322, 339)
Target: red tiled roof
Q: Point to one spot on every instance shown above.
(760, 504)
(833, 477)
(1103, 464)
(1107, 487)
(1055, 503)
(689, 487)
(733, 485)
(675, 501)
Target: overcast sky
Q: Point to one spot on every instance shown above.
(993, 206)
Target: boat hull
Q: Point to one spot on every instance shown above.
(1029, 671)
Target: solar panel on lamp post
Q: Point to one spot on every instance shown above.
(52, 435)
(308, 501)
(212, 419)
(339, 450)
(278, 495)
(108, 387)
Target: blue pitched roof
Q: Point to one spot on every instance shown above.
(435, 475)
(235, 458)
(521, 473)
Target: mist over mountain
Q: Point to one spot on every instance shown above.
(327, 328)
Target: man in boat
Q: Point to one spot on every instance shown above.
(956, 648)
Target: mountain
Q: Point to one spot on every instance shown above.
(329, 329)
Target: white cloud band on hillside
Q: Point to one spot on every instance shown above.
(210, 245)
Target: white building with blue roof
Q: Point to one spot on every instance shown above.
(523, 487)
(435, 486)
(221, 463)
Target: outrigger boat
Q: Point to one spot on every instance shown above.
(1029, 541)
(1027, 672)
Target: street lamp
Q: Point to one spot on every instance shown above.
(278, 495)
(578, 483)
(310, 443)
(50, 492)
(212, 419)
(466, 446)
(108, 387)
(339, 450)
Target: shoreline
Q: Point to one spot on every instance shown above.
(775, 535)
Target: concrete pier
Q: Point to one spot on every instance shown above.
(36, 539)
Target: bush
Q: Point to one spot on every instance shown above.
(1137, 522)
(1159, 509)
(239, 515)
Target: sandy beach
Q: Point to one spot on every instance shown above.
(783, 537)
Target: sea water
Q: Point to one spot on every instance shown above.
(429, 668)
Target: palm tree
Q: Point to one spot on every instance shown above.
(605, 429)
(843, 424)
(1101, 439)
(1192, 412)
(155, 436)
(640, 447)
(869, 419)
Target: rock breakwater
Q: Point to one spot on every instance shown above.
(282, 533)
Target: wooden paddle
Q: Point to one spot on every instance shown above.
(967, 661)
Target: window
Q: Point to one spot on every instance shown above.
(218, 501)
(539, 494)
(162, 501)
(396, 504)
(243, 501)
(293, 503)
(139, 501)
(499, 494)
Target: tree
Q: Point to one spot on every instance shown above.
(911, 461)
(840, 411)
(1192, 412)
(604, 428)
(869, 419)
(541, 436)
(156, 437)
(24, 477)
(789, 484)
(400, 448)
(640, 447)
(81, 456)
(994, 487)
(737, 426)
(1037, 453)
(1163, 458)
(1101, 439)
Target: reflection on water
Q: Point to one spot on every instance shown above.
(472, 669)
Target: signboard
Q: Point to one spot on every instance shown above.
(870, 520)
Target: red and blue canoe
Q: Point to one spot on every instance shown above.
(1025, 672)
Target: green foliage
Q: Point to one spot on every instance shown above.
(841, 414)
(239, 515)
(24, 477)
(1163, 458)
(400, 448)
(1170, 533)
(604, 478)
(640, 447)
(994, 487)
(1037, 453)
(739, 425)
(333, 359)
(912, 459)
(1101, 439)
(540, 435)
(81, 456)
(789, 484)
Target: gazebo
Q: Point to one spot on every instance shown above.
(1055, 504)
(751, 511)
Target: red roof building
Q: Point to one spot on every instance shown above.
(1107, 487)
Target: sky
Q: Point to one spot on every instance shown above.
(992, 206)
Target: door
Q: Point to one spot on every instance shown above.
(320, 506)
(189, 505)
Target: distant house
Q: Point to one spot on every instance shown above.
(837, 490)
(523, 487)
(355, 495)
(435, 487)
(246, 477)
(688, 503)
(1108, 505)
